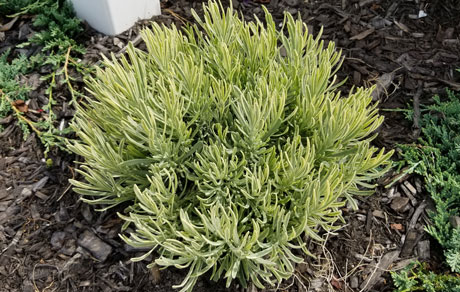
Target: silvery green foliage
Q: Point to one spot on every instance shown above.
(229, 143)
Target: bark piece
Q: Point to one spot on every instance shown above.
(410, 242)
(382, 266)
(362, 35)
(399, 203)
(423, 249)
(98, 248)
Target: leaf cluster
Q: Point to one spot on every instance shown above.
(438, 159)
(229, 144)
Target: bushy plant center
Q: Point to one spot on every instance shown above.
(229, 143)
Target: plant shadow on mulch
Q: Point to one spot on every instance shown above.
(392, 44)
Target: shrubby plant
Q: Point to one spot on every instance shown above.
(228, 143)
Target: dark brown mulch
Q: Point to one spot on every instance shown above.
(43, 226)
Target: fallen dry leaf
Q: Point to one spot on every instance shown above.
(155, 274)
(9, 25)
(20, 105)
(396, 226)
(337, 284)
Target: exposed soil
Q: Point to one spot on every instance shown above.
(409, 49)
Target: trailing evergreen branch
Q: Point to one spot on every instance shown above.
(417, 277)
(228, 143)
(9, 83)
(57, 28)
(438, 160)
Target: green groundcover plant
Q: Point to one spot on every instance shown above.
(437, 159)
(417, 277)
(229, 145)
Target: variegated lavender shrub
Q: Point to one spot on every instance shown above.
(228, 143)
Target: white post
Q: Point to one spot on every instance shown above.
(113, 17)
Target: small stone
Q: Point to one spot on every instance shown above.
(354, 282)
(98, 248)
(455, 221)
(57, 239)
(423, 249)
(399, 203)
(26, 192)
(117, 42)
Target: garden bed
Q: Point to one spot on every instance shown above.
(45, 230)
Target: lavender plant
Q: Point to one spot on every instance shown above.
(229, 144)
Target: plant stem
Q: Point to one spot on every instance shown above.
(19, 114)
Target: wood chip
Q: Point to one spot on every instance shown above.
(41, 195)
(399, 204)
(412, 237)
(378, 214)
(402, 26)
(369, 221)
(416, 215)
(423, 249)
(416, 125)
(362, 35)
(410, 187)
(382, 266)
(408, 193)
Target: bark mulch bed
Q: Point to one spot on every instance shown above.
(409, 49)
